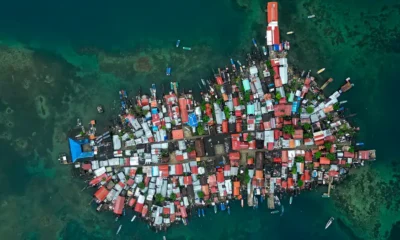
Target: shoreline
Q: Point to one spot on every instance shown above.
(279, 160)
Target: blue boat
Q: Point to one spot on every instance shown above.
(262, 199)
(360, 144)
(168, 71)
(124, 212)
(229, 210)
(232, 62)
(282, 210)
(202, 212)
(222, 207)
(254, 42)
(123, 105)
(198, 212)
(264, 50)
(177, 43)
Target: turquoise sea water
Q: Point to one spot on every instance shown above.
(58, 60)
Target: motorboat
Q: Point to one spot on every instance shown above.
(168, 71)
(133, 219)
(187, 48)
(264, 50)
(311, 16)
(329, 222)
(275, 212)
(229, 210)
(291, 200)
(198, 212)
(291, 32)
(177, 43)
(321, 70)
(254, 42)
(242, 202)
(119, 229)
(202, 212)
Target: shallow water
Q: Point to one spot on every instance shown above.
(59, 60)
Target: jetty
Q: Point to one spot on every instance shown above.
(259, 129)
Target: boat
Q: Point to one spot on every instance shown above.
(100, 109)
(291, 32)
(116, 219)
(203, 82)
(343, 102)
(255, 202)
(184, 221)
(202, 212)
(291, 200)
(153, 91)
(168, 71)
(222, 207)
(242, 202)
(240, 64)
(311, 16)
(321, 70)
(264, 50)
(233, 65)
(282, 210)
(164, 238)
(229, 210)
(133, 219)
(119, 229)
(277, 201)
(198, 212)
(124, 212)
(360, 144)
(177, 43)
(254, 42)
(187, 48)
(329, 222)
(215, 208)
(275, 212)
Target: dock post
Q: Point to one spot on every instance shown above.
(326, 83)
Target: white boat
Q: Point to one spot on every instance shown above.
(119, 229)
(291, 32)
(164, 238)
(311, 16)
(275, 212)
(242, 202)
(321, 70)
(329, 222)
(133, 219)
(291, 200)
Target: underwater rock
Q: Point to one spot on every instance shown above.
(243, 3)
(9, 124)
(143, 64)
(26, 84)
(41, 107)
(6, 136)
(9, 110)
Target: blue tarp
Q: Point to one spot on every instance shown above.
(246, 84)
(76, 149)
(250, 109)
(193, 120)
(295, 107)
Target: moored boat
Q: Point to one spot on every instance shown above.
(215, 209)
(177, 43)
(119, 229)
(198, 212)
(282, 210)
(202, 212)
(264, 50)
(229, 210)
(311, 16)
(321, 70)
(242, 202)
(133, 219)
(291, 200)
(187, 48)
(254, 42)
(275, 212)
(329, 222)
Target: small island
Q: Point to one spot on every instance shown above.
(259, 131)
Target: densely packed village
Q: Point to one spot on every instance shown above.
(258, 132)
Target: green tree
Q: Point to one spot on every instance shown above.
(249, 138)
(294, 170)
(331, 156)
(227, 112)
(336, 106)
(300, 183)
(278, 96)
(206, 118)
(159, 198)
(317, 155)
(310, 109)
(288, 129)
(328, 145)
(141, 185)
(307, 126)
(172, 196)
(200, 194)
(299, 159)
(246, 176)
(139, 170)
(247, 96)
(351, 149)
(189, 148)
(200, 130)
